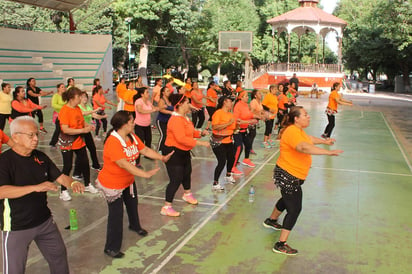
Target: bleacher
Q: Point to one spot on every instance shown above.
(52, 58)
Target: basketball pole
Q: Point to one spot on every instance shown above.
(248, 71)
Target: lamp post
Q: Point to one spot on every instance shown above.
(128, 20)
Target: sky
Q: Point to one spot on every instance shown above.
(329, 6)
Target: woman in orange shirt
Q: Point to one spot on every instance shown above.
(21, 106)
(283, 105)
(292, 167)
(180, 138)
(211, 101)
(332, 109)
(223, 125)
(257, 108)
(270, 104)
(100, 101)
(198, 116)
(246, 118)
(117, 179)
(72, 124)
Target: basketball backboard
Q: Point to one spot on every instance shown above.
(241, 41)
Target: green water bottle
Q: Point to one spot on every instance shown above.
(73, 219)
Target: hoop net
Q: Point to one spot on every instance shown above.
(233, 49)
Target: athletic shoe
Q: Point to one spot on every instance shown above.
(324, 136)
(230, 179)
(284, 249)
(236, 172)
(266, 145)
(252, 152)
(271, 142)
(248, 162)
(218, 187)
(114, 254)
(65, 196)
(169, 211)
(273, 224)
(90, 188)
(188, 197)
(97, 138)
(43, 130)
(96, 168)
(77, 177)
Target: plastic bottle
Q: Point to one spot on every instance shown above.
(251, 194)
(73, 220)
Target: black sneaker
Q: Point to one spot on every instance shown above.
(284, 249)
(273, 224)
(114, 254)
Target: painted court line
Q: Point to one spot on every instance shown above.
(397, 142)
(214, 212)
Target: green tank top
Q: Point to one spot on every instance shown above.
(87, 118)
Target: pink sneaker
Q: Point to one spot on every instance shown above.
(248, 162)
(169, 211)
(188, 197)
(236, 172)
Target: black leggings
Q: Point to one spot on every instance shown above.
(39, 114)
(293, 205)
(162, 127)
(145, 134)
(331, 125)
(269, 126)
(210, 111)
(56, 133)
(98, 121)
(3, 118)
(200, 114)
(114, 234)
(179, 169)
(225, 154)
(82, 161)
(91, 147)
(242, 138)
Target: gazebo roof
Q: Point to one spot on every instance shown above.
(307, 15)
(65, 5)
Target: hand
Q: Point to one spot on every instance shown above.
(77, 187)
(109, 107)
(45, 186)
(231, 121)
(50, 92)
(204, 132)
(329, 141)
(97, 109)
(166, 158)
(150, 173)
(43, 107)
(253, 121)
(335, 152)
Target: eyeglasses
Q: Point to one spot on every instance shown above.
(31, 134)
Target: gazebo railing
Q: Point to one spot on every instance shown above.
(299, 67)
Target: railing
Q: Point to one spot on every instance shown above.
(298, 67)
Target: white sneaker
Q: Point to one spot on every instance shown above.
(218, 187)
(65, 196)
(90, 188)
(230, 179)
(97, 138)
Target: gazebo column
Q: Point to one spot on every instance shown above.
(288, 51)
(340, 54)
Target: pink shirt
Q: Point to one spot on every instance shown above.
(143, 120)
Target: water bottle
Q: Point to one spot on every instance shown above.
(251, 194)
(73, 220)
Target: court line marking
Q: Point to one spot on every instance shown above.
(211, 215)
(397, 142)
(177, 200)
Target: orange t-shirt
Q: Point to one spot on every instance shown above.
(101, 99)
(333, 105)
(128, 97)
(188, 92)
(222, 117)
(113, 176)
(120, 89)
(3, 139)
(181, 133)
(213, 94)
(271, 101)
(73, 118)
(198, 95)
(156, 93)
(282, 99)
(242, 111)
(239, 90)
(294, 162)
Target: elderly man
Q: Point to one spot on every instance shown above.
(26, 175)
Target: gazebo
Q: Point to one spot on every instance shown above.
(307, 18)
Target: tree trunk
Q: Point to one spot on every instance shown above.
(185, 59)
(406, 82)
(143, 56)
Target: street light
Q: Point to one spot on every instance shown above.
(128, 20)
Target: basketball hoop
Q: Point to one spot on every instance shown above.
(233, 49)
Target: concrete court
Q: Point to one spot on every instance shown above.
(355, 217)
